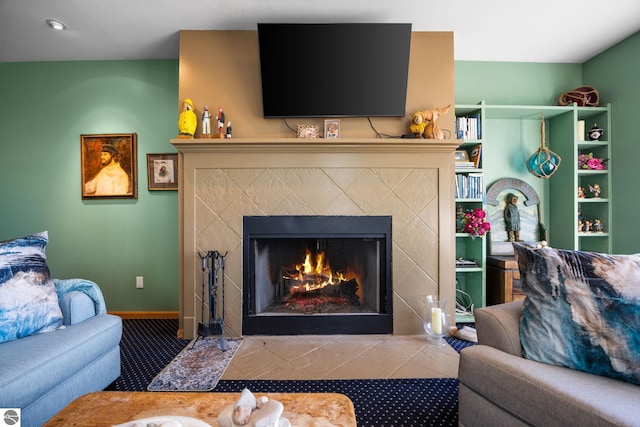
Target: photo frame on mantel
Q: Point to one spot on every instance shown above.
(109, 166)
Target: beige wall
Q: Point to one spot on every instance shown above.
(221, 68)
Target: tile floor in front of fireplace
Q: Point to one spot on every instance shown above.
(311, 357)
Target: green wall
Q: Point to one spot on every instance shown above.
(520, 83)
(615, 74)
(45, 108)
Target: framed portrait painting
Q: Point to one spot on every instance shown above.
(109, 166)
(162, 171)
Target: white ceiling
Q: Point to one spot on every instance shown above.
(557, 31)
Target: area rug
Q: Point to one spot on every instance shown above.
(198, 367)
(410, 402)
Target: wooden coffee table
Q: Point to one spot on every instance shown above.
(106, 408)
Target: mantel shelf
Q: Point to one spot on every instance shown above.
(314, 145)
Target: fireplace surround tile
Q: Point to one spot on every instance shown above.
(411, 181)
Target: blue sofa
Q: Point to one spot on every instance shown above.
(42, 373)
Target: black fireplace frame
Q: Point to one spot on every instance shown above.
(261, 227)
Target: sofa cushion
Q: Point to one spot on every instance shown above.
(28, 299)
(582, 310)
(35, 365)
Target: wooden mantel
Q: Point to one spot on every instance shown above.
(410, 179)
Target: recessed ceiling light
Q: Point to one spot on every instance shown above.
(56, 25)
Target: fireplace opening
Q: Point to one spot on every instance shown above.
(317, 275)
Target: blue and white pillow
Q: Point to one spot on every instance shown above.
(582, 310)
(28, 299)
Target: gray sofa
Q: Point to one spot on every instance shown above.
(42, 373)
(498, 387)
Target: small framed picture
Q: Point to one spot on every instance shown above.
(332, 128)
(461, 156)
(108, 166)
(162, 171)
(308, 131)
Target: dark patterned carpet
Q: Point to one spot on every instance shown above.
(148, 345)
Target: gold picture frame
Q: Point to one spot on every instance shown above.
(308, 131)
(108, 165)
(162, 171)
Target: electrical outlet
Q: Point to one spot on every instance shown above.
(139, 282)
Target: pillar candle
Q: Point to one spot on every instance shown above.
(436, 320)
(580, 130)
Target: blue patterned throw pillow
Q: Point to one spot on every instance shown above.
(28, 299)
(582, 310)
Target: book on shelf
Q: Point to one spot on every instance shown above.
(469, 186)
(468, 127)
(465, 263)
(465, 165)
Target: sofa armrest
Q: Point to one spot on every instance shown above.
(91, 289)
(498, 326)
(76, 307)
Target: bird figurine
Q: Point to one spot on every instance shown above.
(187, 121)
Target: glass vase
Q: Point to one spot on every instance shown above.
(436, 321)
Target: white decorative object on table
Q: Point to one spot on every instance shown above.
(251, 412)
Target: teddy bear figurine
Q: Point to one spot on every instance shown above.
(423, 123)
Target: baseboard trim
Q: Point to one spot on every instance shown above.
(146, 314)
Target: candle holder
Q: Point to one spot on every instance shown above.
(436, 321)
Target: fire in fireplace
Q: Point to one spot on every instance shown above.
(317, 275)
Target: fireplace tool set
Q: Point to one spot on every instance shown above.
(213, 263)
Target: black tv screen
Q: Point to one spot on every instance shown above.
(334, 70)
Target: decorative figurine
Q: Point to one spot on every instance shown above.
(595, 190)
(580, 192)
(220, 119)
(418, 124)
(586, 226)
(424, 123)
(459, 218)
(206, 123)
(595, 133)
(597, 226)
(580, 224)
(187, 121)
(512, 218)
(229, 129)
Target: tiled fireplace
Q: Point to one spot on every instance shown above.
(410, 182)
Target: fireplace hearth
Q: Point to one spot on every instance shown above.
(317, 275)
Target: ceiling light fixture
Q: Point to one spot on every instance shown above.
(56, 25)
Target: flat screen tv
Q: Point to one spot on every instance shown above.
(334, 70)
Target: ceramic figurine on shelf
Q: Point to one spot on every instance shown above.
(187, 121)
(221, 120)
(595, 133)
(597, 226)
(580, 225)
(586, 226)
(580, 192)
(206, 122)
(595, 190)
(229, 129)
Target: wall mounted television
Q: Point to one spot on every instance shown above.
(334, 70)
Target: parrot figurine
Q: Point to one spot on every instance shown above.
(187, 121)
